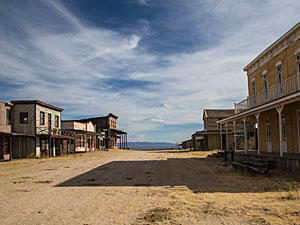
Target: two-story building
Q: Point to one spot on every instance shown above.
(212, 137)
(108, 125)
(87, 139)
(5, 130)
(273, 105)
(39, 119)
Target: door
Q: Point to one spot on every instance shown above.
(268, 136)
(283, 134)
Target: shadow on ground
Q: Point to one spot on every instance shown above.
(197, 174)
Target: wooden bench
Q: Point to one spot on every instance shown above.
(236, 165)
(250, 167)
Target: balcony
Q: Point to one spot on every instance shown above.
(277, 91)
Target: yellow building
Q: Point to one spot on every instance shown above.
(273, 105)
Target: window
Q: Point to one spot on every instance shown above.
(23, 117)
(279, 73)
(42, 118)
(8, 117)
(253, 85)
(56, 121)
(265, 84)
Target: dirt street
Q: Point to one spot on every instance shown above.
(138, 187)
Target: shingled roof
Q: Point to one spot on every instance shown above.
(218, 113)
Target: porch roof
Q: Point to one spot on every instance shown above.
(265, 107)
(17, 134)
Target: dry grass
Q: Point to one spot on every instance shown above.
(206, 191)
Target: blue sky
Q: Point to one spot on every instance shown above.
(156, 64)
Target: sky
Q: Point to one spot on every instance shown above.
(155, 63)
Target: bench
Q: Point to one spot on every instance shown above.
(250, 167)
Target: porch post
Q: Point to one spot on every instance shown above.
(85, 142)
(227, 144)
(257, 121)
(221, 139)
(234, 134)
(245, 135)
(126, 142)
(19, 147)
(279, 110)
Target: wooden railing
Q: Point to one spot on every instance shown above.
(277, 91)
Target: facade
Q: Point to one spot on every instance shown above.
(5, 130)
(43, 121)
(273, 105)
(186, 144)
(87, 139)
(210, 137)
(108, 125)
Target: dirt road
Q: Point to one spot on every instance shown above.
(137, 187)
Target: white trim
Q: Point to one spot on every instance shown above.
(273, 45)
(278, 63)
(262, 108)
(297, 52)
(264, 72)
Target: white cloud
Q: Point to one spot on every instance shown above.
(70, 67)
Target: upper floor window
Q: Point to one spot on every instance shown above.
(279, 73)
(42, 118)
(265, 83)
(8, 117)
(298, 63)
(56, 121)
(253, 87)
(23, 117)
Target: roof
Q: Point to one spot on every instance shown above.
(36, 102)
(100, 117)
(272, 45)
(6, 103)
(218, 113)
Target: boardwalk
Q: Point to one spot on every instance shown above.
(135, 187)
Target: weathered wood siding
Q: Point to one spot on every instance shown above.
(43, 129)
(25, 128)
(4, 127)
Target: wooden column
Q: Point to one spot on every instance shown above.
(85, 142)
(234, 135)
(19, 147)
(257, 122)
(126, 142)
(26, 147)
(11, 147)
(279, 110)
(245, 135)
(221, 138)
(227, 143)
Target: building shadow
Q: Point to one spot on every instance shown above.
(197, 174)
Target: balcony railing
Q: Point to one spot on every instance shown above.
(277, 91)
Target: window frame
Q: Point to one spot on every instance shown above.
(22, 121)
(42, 113)
(56, 121)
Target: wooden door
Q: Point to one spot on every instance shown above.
(268, 136)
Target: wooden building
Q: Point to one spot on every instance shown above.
(273, 105)
(108, 125)
(11, 142)
(212, 137)
(43, 121)
(87, 139)
(186, 144)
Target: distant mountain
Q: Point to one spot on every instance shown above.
(151, 145)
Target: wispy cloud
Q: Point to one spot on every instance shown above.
(50, 54)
